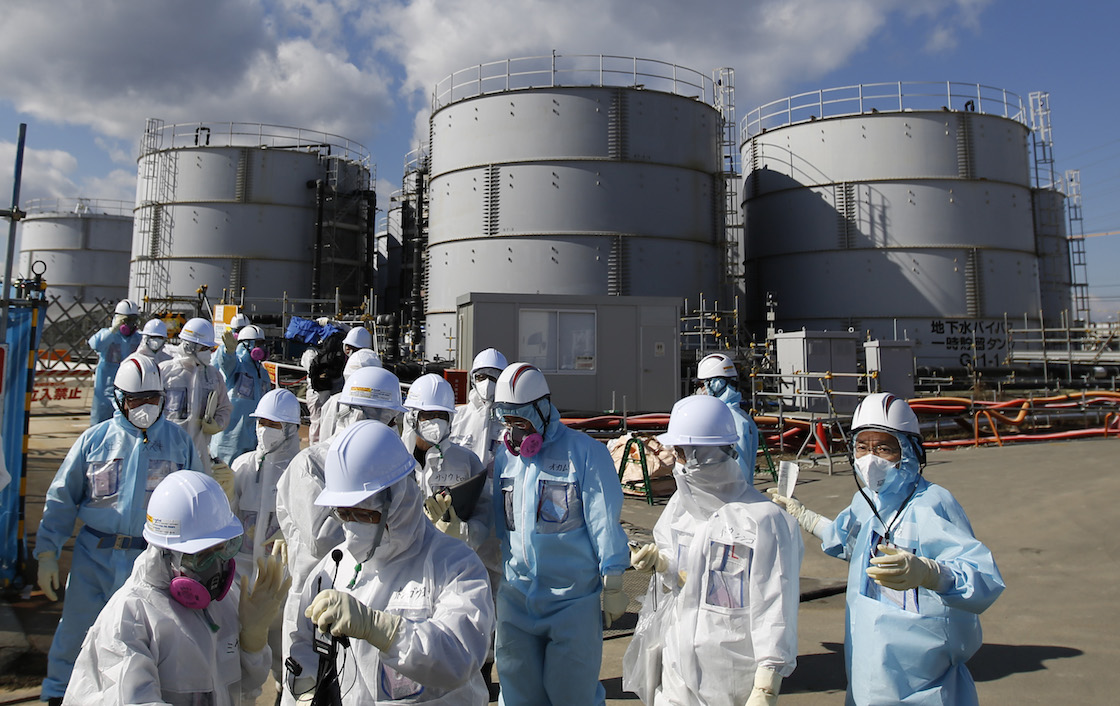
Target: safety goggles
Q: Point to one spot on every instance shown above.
(704, 455)
(481, 377)
(204, 559)
(131, 400)
(357, 514)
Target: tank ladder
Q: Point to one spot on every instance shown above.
(1079, 277)
(155, 223)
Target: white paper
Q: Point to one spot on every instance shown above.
(787, 478)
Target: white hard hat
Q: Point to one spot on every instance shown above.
(138, 373)
(198, 331)
(127, 307)
(279, 406)
(358, 337)
(238, 321)
(189, 512)
(885, 412)
(362, 358)
(700, 420)
(372, 387)
(520, 383)
(716, 365)
(250, 333)
(431, 393)
(363, 460)
(489, 358)
(155, 327)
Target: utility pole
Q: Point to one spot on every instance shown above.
(13, 215)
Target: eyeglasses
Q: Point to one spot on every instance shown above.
(877, 449)
(204, 559)
(479, 377)
(357, 514)
(136, 399)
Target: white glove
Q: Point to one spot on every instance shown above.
(259, 606)
(48, 575)
(647, 559)
(901, 570)
(436, 505)
(229, 341)
(343, 614)
(615, 599)
(224, 475)
(804, 516)
(452, 527)
(767, 684)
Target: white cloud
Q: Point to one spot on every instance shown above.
(49, 170)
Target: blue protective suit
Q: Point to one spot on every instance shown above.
(747, 445)
(911, 646)
(111, 348)
(105, 480)
(557, 516)
(246, 383)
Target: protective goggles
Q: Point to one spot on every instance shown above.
(706, 455)
(204, 559)
(135, 399)
(357, 514)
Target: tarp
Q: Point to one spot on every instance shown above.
(15, 392)
(308, 331)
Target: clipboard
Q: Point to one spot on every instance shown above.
(465, 495)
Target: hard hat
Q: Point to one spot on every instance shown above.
(431, 393)
(358, 337)
(250, 333)
(138, 373)
(362, 358)
(238, 321)
(699, 420)
(364, 459)
(716, 365)
(127, 307)
(489, 358)
(520, 383)
(155, 327)
(198, 331)
(885, 412)
(372, 387)
(279, 406)
(189, 512)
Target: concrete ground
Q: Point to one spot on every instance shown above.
(1048, 512)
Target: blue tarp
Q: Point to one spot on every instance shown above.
(15, 390)
(308, 331)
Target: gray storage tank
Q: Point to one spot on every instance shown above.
(257, 210)
(575, 175)
(894, 210)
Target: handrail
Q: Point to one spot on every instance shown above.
(888, 97)
(554, 70)
(79, 207)
(234, 134)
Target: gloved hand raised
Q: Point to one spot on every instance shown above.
(340, 613)
(805, 517)
(436, 505)
(453, 526)
(902, 570)
(647, 559)
(48, 575)
(229, 340)
(259, 606)
(224, 475)
(615, 599)
(767, 684)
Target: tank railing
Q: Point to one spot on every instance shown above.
(893, 97)
(556, 70)
(231, 134)
(80, 206)
(416, 159)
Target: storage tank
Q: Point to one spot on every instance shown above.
(898, 210)
(258, 211)
(85, 245)
(571, 175)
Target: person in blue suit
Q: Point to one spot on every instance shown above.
(112, 345)
(105, 480)
(719, 378)
(918, 577)
(246, 383)
(557, 503)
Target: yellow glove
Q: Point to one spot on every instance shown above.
(901, 570)
(452, 527)
(682, 576)
(259, 606)
(48, 575)
(342, 614)
(436, 505)
(229, 341)
(224, 475)
(767, 684)
(647, 559)
(615, 599)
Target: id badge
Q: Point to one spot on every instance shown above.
(728, 575)
(245, 385)
(104, 478)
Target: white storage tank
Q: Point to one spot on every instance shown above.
(572, 175)
(899, 210)
(260, 211)
(85, 245)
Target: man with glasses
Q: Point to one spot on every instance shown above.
(918, 578)
(112, 345)
(406, 609)
(173, 633)
(105, 480)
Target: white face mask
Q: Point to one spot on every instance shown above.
(155, 345)
(485, 389)
(203, 357)
(144, 416)
(269, 439)
(432, 430)
(362, 538)
(873, 470)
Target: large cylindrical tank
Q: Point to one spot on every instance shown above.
(1052, 243)
(897, 211)
(258, 211)
(571, 175)
(85, 245)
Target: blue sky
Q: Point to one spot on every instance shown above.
(85, 76)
